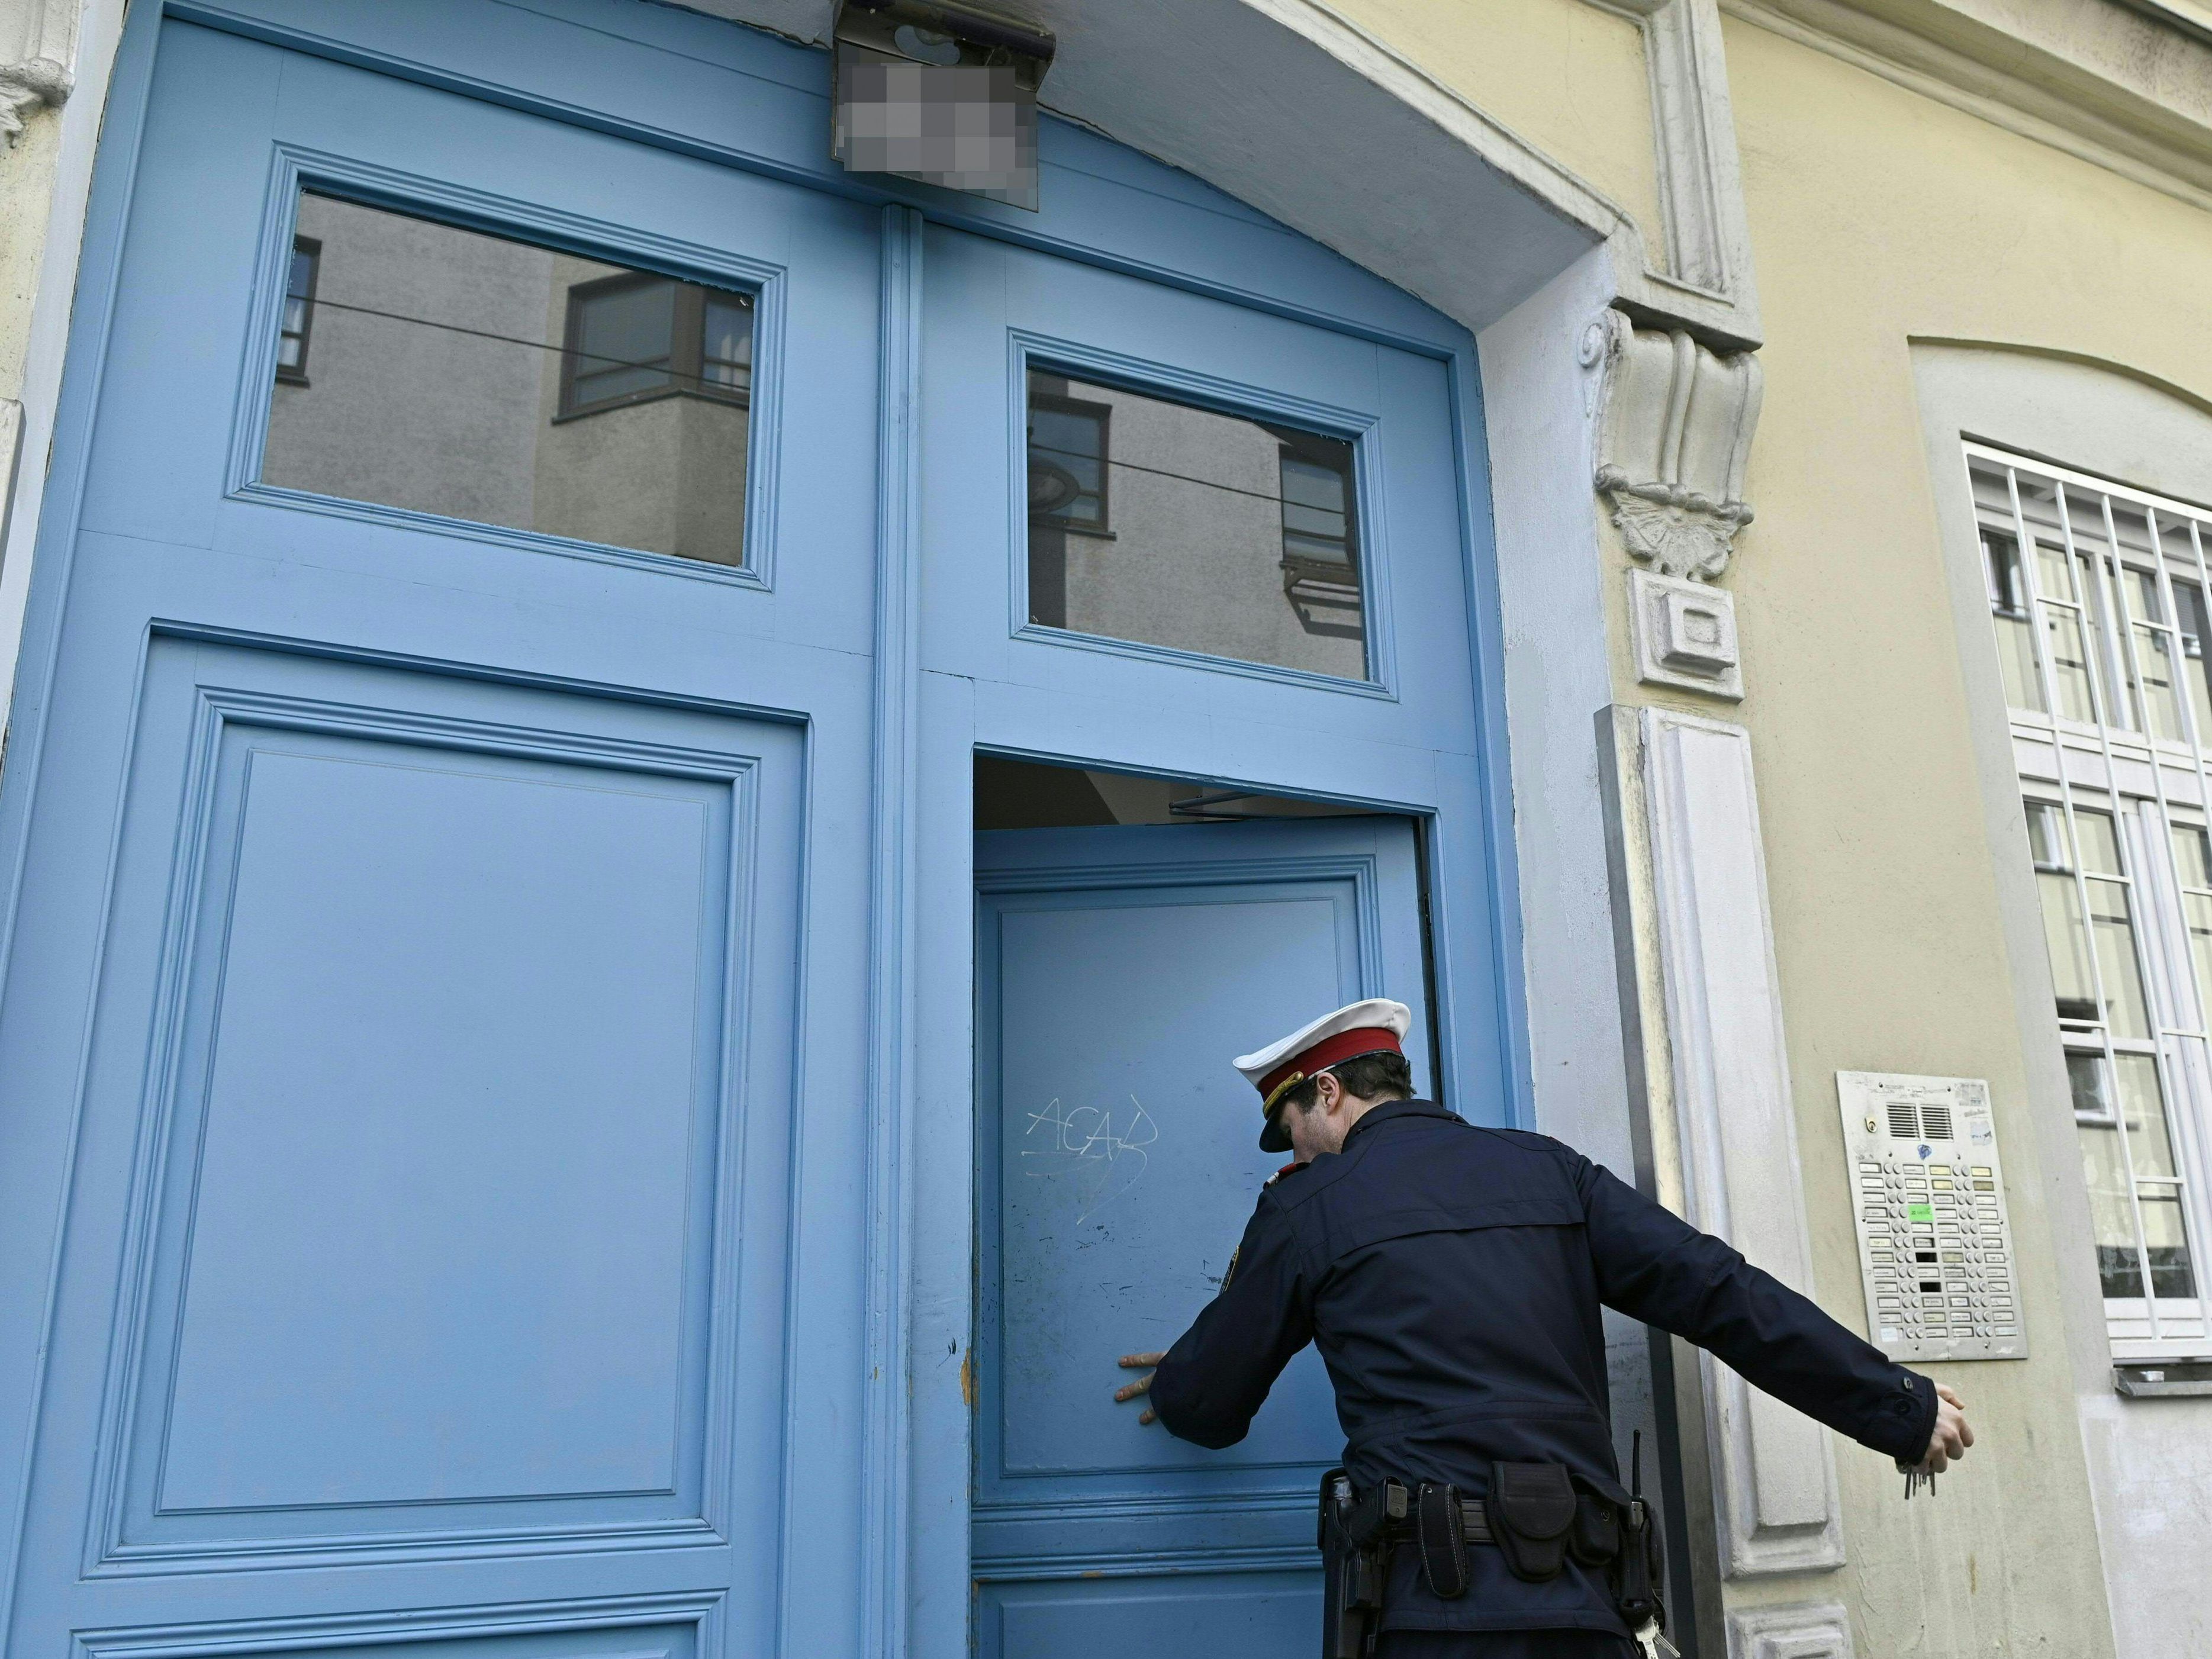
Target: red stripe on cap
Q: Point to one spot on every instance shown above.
(1331, 1051)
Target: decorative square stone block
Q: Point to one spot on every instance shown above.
(1799, 1630)
(1685, 634)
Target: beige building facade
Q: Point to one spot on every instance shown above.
(1789, 314)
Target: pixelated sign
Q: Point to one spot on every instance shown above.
(943, 96)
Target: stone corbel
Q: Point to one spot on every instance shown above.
(1673, 435)
(37, 44)
(28, 86)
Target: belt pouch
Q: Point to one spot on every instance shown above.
(1595, 1537)
(1531, 1510)
(1641, 1568)
(1441, 1531)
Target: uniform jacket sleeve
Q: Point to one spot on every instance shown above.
(1219, 1372)
(1655, 1267)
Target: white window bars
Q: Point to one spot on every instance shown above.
(2099, 597)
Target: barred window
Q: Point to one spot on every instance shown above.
(2096, 595)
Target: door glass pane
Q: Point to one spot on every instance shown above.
(1167, 525)
(477, 377)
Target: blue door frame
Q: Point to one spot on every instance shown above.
(872, 1213)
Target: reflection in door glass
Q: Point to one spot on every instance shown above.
(477, 378)
(1167, 525)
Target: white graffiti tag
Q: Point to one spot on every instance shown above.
(1081, 1145)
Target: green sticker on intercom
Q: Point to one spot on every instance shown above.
(1921, 1212)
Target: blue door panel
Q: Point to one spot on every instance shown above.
(660, 1627)
(466, 1075)
(1258, 1614)
(1118, 973)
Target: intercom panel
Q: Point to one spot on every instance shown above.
(1935, 1238)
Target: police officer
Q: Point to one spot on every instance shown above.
(1452, 1278)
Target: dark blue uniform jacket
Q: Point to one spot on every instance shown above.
(1452, 1277)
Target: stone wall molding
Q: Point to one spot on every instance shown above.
(1777, 1508)
(1674, 438)
(1706, 230)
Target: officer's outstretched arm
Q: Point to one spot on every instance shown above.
(1215, 1378)
(1655, 1267)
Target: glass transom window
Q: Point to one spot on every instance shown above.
(1168, 525)
(444, 371)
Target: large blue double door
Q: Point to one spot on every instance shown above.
(442, 1176)
(418, 1001)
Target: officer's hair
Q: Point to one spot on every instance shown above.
(1384, 1076)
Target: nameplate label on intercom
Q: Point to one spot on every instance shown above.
(1934, 1239)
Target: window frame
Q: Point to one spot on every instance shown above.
(687, 346)
(2150, 788)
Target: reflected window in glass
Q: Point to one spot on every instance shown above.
(1066, 460)
(631, 337)
(299, 318)
(1165, 524)
(480, 378)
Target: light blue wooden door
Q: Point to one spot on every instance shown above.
(399, 1081)
(1119, 971)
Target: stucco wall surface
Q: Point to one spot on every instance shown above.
(1877, 216)
(1565, 75)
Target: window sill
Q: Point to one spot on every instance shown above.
(2143, 1380)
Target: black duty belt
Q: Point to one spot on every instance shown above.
(1474, 1525)
(1538, 1515)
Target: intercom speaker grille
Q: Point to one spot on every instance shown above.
(1936, 1121)
(1903, 1120)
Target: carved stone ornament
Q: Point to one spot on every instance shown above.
(38, 43)
(1674, 435)
(26, 87)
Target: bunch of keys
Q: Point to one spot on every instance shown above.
(1916, 1478)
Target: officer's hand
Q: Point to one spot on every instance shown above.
(1952, 1437)
(1143, 1362)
